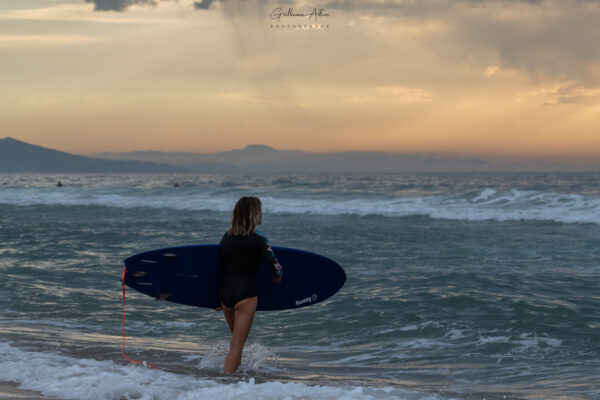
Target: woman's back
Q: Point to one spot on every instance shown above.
(240, 255)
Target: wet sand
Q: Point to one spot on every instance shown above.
(8, 390)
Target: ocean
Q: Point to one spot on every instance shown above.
(460, 286)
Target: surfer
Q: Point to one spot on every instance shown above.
(242, 247)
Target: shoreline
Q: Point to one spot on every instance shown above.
(9, 390)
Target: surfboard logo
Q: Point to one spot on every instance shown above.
(310, 299)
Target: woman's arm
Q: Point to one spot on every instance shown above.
(269, 256)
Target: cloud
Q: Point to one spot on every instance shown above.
(569, 92)
(495, 71)
(547, 40)
(123, 5)
(78, 12)
(202, 5)
(543, 38)
(425, 8)
(392, 94)
(229, 5)
(45, 41)
(118, 5)
(491, 71)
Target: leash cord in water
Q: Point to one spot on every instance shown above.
(123, 345)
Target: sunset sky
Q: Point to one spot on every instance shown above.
(481, 77)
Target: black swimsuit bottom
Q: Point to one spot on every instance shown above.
(235, 290)
(240, 257)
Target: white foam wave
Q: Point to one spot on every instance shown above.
(119, 198)
(59, 376)
(486, 204)
(524, 342)
(254, 360)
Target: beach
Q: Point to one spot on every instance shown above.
(9, 390)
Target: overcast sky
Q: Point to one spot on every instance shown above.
(481, 77)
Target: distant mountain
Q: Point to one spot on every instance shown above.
(261, 158)
(192, 161)
(17, 156)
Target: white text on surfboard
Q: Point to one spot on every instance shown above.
(307, 300)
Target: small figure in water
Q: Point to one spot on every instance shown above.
(176, 184)
(242, 247)
(60, 184)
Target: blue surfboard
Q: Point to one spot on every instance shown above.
(192, 274)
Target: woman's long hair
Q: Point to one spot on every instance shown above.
(247, 214)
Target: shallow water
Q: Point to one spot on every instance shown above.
(461, 286)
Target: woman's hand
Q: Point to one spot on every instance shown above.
(277, 279)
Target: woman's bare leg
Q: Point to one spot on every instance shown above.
(243, 315)
(228, 312)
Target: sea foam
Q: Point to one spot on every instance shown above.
(65, 377)
(484, 204)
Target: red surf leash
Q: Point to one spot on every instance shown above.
(123, 345)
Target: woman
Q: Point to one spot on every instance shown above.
(242, 247)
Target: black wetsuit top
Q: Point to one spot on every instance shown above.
(240, 257)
